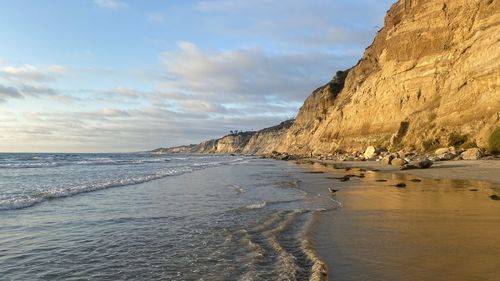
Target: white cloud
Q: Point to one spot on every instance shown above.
(29, 72)
(37, 91)
(246, 75)
(9, 93)
(111, 112)
(116, 129)
(110, 4)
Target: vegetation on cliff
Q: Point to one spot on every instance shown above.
(494, 142)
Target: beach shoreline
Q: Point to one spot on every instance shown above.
(481, 170)
(383, 232)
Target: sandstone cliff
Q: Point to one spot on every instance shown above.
(431, 75)
(259, 142)
(431, 72)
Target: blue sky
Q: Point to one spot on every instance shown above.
(130, 75)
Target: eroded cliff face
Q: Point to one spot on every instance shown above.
(431, 72)
(255, 142)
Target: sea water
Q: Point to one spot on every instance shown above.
(156, 217)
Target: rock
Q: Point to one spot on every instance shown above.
(424, 163)
(387, 159)
(289, 157)
(453, 150)
(401, 154)
(409, 167)
(472, 154)
(494, 197)
(398, 162)
(400, 184)
(416, 180)
(441, 151)
(371, 152)
(446, 156)
(345, 178)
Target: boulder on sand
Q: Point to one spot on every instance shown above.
(441, 151)
(370, 152)
(423, 163)
(388, 159)
(472, 154)
(398, 162)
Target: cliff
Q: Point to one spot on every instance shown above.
(430, 78)
(255, 142)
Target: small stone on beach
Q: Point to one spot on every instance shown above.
(494, 197)
(345, 178)
(401, 184)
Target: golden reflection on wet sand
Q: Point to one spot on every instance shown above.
(429, 230)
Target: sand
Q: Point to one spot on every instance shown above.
(441, 226)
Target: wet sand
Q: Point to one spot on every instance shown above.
(437, 228)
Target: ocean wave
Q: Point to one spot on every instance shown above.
(259, 205)
(29, 165)
(238, 189)
(319, 271)
(50, 163)
(20, 201)
(107, 161)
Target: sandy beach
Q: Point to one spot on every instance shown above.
(482, 170)
(441, 226)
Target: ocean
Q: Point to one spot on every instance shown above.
(156, 217)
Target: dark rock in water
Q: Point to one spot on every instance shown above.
(401, 184)
(381, 180)
(416, 180)
(494, 197)
(314, 172)
(345, 178)
(232, 154)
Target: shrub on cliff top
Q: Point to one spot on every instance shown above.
(494, 142)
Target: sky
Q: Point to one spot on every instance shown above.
(134, 75)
